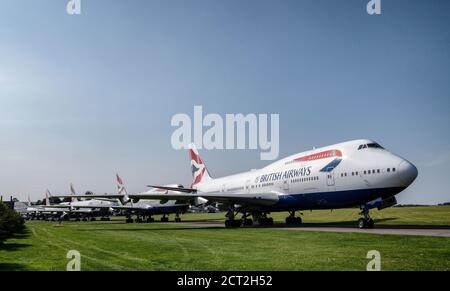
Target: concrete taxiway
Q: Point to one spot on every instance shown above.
(390, 230)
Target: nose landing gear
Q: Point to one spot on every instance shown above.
(366, 221)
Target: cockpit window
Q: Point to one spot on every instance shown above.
(370, 145)
(374, 145)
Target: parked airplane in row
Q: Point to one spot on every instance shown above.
(354, 173)
(81, 209)
(143, 208)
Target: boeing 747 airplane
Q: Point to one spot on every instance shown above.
(349, 174)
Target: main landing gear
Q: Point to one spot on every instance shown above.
(177, 217)
(261, 218)
(231, 221)
(292, 219)
(366, 221)
(128, 219)
(164, 218)
(246, 221)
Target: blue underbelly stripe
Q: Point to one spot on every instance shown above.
(332, 200)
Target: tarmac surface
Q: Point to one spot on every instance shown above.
(443, 231)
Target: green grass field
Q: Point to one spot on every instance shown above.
(118, 246)
(410, 216)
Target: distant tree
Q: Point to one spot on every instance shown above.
(10, 222)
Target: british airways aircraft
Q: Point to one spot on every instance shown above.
(357, 173)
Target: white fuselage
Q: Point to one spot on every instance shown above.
(93, 203)
(341, 175)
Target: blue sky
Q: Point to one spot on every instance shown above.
(82, 97)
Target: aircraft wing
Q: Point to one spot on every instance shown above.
(90, 206)
(185, 190)
(57, 206)
(251, 199)
(107, 197)
(130, 207)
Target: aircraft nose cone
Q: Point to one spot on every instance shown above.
(407, 172)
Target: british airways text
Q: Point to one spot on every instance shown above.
(288, 174)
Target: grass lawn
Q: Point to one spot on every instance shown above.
(410, 216)
(118, 246)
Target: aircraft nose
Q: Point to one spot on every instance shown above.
(407, 172)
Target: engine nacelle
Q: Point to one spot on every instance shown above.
(200, 201)
(125, 199)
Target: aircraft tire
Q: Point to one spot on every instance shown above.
(361, 223)
(233, 223)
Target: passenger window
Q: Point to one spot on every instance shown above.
(365, 172)
(378, 171)
(389, 169)
(393, 169)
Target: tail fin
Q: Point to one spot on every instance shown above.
(47, 200)
(198, 168)
(29, 200)
(120, 186)
(122, 191)
(72, 192)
